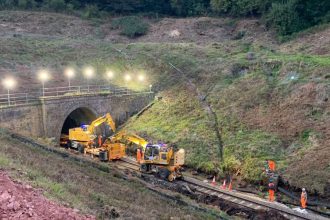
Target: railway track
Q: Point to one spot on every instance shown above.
(231, 196)
(244, 200)
(240, 198)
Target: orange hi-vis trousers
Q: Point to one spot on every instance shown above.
(138, 155)
(271, 195)
(303, 202)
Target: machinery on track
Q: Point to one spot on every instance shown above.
(86, 141)
(161, 159)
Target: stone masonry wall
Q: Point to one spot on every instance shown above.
(25, 120)
(47, 118)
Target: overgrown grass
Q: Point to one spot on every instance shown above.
(85, 188)
(131, 26)
(234, 84)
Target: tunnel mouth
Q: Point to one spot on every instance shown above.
(77, 118)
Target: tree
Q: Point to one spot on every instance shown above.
(284, 17)
(56, 5)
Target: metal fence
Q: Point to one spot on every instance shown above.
(16, 99)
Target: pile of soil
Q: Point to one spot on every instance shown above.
(21, 201)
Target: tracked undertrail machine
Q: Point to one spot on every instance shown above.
(162, 159)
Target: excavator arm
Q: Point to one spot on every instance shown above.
(106, 118)
(132, 138)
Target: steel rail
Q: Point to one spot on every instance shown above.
(231, 196)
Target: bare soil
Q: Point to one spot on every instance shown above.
(21, 201)
(202, 30)
(40, 24)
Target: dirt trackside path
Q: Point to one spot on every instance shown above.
(19, 201)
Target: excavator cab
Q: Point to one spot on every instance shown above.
(151, 152)
(157, 153)
(84, 127)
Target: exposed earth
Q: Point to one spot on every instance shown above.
(21, 201)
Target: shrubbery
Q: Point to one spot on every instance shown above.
(286, 16)
(91, 11)
(26, 4)
(56, 5)
(131, 26)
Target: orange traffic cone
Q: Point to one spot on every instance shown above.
(224, 185)
(230, 187)
(213, 181)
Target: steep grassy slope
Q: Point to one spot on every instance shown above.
(272, 107)
(271, 100)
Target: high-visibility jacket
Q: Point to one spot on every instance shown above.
(271, 165)
(100, 141)
(303, 199)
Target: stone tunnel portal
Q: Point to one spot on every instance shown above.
(78, 117)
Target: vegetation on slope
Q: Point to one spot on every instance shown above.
(85, 188)
(270, 104)
(286, 17)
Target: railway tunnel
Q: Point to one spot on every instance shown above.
(84, 116)
(78, 117)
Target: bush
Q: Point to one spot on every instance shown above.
(131, 26)
(189, 8)
(252, 170)
(240, 7)
(230, 164)
(56, 5)
(284, 17)
(7, 4)
(91, 11)
(26, 4)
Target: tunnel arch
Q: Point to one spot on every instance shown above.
(77, 117)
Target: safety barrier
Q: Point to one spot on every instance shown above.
(17, 99)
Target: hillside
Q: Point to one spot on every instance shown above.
(85, 189)
(271, 98)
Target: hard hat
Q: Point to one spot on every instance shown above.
(303, 189)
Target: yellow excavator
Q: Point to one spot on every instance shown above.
(158, 158)
(85, 140)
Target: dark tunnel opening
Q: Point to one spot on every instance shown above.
(80, 116)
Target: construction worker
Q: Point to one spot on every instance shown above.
(266, 167)
(271, 165)
(100, 140)
(138, 155)
(303, 198)
(271, 190)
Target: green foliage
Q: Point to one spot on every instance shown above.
(7, 4)
(26, 4)
(240, 7)
(284, 17)
(56, 5)
(305, 135)
(252, 169)
(230, 164)
(221, 6)
(287, 17)
(188, 8)
(131, 26)
(91, 11)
